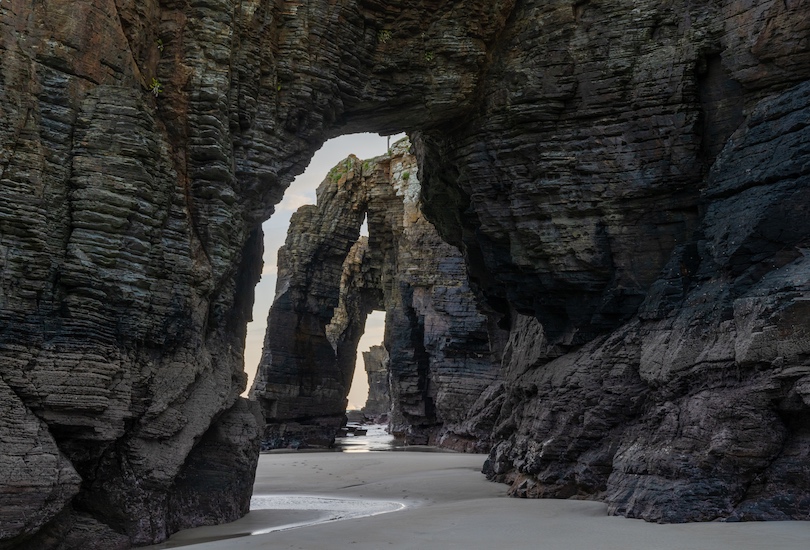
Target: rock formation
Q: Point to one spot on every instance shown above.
(126, 277)
(304, 377)
(627, 182)
(650, 225)
(438, 356)
(695, 409)
(376, 363)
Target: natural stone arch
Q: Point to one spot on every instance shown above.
(563, 148)
(174, 194)
(440, 353)
(139, 248)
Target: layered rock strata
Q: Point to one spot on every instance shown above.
(141, 145)
(650, 226)
(626, 182)
(378, 403)
(697, 408)
(126, 276)
(437, 357)
(300, 383)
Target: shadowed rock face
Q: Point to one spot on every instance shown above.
(691, 404)
(376, 363)
(141, 145)
(303, 377)
(438, 355)
(627, 183)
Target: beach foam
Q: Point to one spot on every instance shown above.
(332, 508)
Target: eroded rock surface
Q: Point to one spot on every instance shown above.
(125, 283)
(303, 379)
(670, 156)
(141, 145)
(376, 363)
(627, 182)
(438, 356)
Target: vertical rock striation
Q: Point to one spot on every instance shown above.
(437, 358)
(648, 224)
(626, 182)
(376, 363)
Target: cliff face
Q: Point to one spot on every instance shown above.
(627, 183)
(438, 354)
(640, 204)
(126, 274)
(696, 408)
(375, 362)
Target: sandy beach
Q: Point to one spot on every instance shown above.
(448, 504)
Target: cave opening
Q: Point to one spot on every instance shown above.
(338, 270)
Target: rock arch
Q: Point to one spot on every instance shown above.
(441, 357)
(142, 145)
(649, 276)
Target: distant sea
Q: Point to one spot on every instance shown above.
(377, 439)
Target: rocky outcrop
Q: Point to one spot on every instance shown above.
(632, 176)
(300, 383)
(443, 350)
(37, 479)
(437, 357)
(126, 275)
(658, 248)
(375, 361)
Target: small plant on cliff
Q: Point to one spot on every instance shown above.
(429, 56)
(156, 87)
(159, 43)
(383, 36)
(336, 173)
(406, 176)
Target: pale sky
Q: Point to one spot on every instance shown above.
(301, 192)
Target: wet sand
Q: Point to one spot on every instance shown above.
(450, 505)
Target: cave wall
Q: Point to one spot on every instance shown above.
(438, 352)
(641, 202)
(630, 175)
